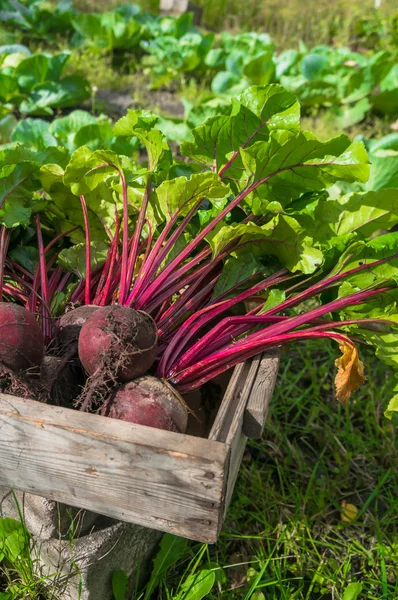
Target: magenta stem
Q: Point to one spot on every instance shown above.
(125, 247)
(277, 329)
(137, 235)
(87, 291)
(194, 377)
(5, 236)
(193, 324)
(159, 253)
(46, 325)
(184, 254)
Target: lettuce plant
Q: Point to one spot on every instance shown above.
(33, 83)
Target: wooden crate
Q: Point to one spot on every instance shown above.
(162, 480)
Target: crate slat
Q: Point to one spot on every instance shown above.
(151, 477)
(159, 479)
(260, 396)
(229, 424)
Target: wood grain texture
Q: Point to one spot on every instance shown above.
(228, 426)
(260, 395)
(230, 402)
(138, 474)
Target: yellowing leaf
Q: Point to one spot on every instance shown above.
(349, 512)
(137, 266)
(350, 375)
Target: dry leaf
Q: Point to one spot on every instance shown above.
(350, 375)
(254, 302)
(138, 264)
(349, 512)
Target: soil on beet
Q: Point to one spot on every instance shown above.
(69, 326)
(63, 379)
(24, 385)
(119, 341)
(149, 401)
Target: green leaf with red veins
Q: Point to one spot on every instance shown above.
(18, 183)
(334, 223)
(65, 209)
(14, 214)
(282, 238)
(392, 405)
(85, 172)
(366, 213)
(383, 337)
(159, 153)
(74, 258)
(273, 105)
(284, 171)
(140, 123)
(237, 268)
(182, 194)
(211, 210)
(383, 246)
(274, 298)
(135, 119)
(255, 113)
(26, 256)
(219, 136)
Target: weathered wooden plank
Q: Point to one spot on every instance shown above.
(260, 396)
(233, 393)
(139, 474)
(228, 426)
(236, 440)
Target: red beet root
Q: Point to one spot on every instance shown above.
(21, 340)
(149, 401)
(70, 324)
(118, 340)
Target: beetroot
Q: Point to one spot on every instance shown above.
(149, 401)
(70, 324)
(63, 378)
(119, 341)
(21, 340)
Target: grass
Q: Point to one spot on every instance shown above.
(324, 22)
(20, 577)
(284, 538)
(324, 126)
(334, 22)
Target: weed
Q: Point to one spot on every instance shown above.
(19, 572)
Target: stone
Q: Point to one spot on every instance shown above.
(78, 550)
(47, 519)
(84, 566)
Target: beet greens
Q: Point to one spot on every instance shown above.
(235, 249)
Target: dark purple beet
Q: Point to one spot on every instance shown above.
(118, 340)
(21, 339)
(70, 324)
(152, 402)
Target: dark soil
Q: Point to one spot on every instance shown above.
(116, 103)
(24, 385)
